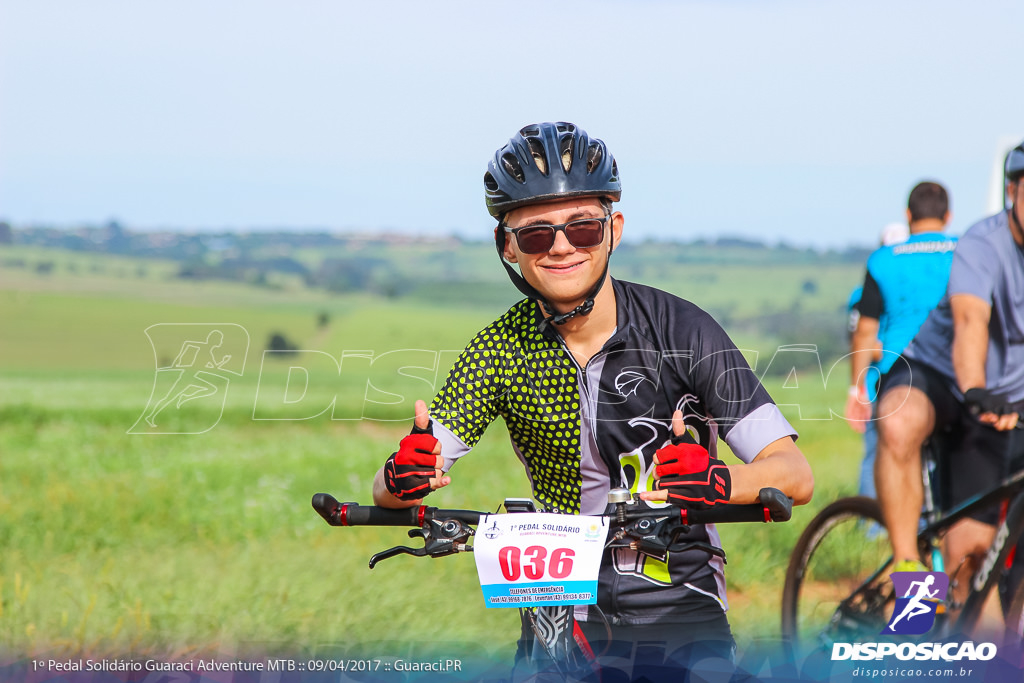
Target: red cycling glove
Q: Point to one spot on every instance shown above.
(692, 478)
(408, 472)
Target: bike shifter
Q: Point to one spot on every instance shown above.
(440, 537)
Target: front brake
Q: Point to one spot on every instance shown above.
(440, 537)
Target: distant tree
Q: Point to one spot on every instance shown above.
(809, 287)
(115, 238)
(278, 342)
(6, 234)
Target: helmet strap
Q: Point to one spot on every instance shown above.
(554, 318)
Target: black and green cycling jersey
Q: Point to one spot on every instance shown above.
(580, 431)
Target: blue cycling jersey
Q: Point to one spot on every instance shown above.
(904, 282)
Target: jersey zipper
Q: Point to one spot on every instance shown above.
(590, 414)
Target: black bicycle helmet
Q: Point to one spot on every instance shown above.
(549, 161)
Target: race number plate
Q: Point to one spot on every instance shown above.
(537, 558)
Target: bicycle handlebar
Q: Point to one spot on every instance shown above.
(775, 506)
(654, 531)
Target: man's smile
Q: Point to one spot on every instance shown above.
(560, 268)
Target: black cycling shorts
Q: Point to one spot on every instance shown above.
(973, 457)
(665, 652)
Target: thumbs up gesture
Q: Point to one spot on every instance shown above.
(414, 470)
(687, 473)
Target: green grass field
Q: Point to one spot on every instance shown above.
(117, 542)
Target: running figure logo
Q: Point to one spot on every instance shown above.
(189, 392)
(919, 595)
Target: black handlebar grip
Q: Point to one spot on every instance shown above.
(327, 506)
(777, 503)
(353, 514)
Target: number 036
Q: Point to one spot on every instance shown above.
(534, 562)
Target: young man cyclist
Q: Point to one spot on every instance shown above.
(964, 372)
(903, 282)
(593, 378)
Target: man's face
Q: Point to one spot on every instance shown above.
(563, 274)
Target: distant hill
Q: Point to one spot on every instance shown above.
(766, 296)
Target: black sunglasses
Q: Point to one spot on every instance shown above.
(582, 233)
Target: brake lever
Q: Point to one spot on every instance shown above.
(698, 545)
(657, 538)
(440, 537)
(397, 550)
(644, 535)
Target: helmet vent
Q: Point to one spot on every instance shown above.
(490, 183)
(537, 152)
(565, 150)
(512, 167)
(594, 156)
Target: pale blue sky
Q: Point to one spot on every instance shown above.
(789, 119)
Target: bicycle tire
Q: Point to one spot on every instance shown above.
(837, 583)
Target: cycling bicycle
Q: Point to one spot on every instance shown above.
(837, 585)
(631, 524)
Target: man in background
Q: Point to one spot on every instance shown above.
(964, 371)
(892, 233)
(905, 280)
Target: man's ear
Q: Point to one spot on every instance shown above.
(507, 252)
(617, 222)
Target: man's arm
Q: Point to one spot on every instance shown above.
(971, 317)
(863, 350)
(781, 465)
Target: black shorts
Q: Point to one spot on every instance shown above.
(665, 652)
(973, 457)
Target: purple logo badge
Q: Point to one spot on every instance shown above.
(918, 595)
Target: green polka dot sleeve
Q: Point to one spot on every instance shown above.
(510, 370)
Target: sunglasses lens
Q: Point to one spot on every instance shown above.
(582, 234)
(585, 234)
(535, 240)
